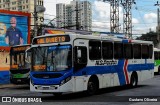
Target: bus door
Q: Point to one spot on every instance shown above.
(80, 62)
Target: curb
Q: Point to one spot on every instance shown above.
(6, 85)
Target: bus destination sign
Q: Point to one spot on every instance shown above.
(52, 39)
(20, 48)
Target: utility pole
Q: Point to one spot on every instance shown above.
(158, 22)
(35, 18)
(77, 18)
(114, 15)
(158, 25)
(127, 17)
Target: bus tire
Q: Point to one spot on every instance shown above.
(92, 87)
(134, 80)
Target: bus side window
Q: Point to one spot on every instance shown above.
(107, 50)
(150, 51)
(137, 51)
(145, 52)
(94, 50)
(118, 50)
(128, 51)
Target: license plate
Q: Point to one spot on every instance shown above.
(18, 80)
(45, 88)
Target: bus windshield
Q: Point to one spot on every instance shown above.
(18, 60)
(52, 58)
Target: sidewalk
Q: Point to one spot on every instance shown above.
(6, 85)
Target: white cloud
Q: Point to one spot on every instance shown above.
(151, 17)
(135, 21)
(103, 9)
(101, 16)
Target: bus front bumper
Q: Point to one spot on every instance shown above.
(67, 87)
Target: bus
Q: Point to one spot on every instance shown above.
(73, 62)
(156, 61)
(19, 68)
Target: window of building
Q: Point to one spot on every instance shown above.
(107, 50)
(118, 50)
(137, 51)
(94, 50)
(128, 52)
(26, 1)
(23, 7)
(145, 51)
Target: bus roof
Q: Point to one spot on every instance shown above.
(50, 32)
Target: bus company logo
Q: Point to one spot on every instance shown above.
(6, 99)
(106, 62)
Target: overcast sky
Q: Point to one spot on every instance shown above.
(144, 14)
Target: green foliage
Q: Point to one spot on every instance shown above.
(151, 36)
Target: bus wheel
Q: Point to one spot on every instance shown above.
(92, 86)
(57, 94)
(134, 80)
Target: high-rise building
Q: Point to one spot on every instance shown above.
(60, 15)
(76, 15)
(22, 5)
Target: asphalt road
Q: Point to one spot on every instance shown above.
(146, 93)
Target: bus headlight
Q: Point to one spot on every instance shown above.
(32, 82)
(62, 82)
(65, 80)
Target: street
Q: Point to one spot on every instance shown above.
(116, 95)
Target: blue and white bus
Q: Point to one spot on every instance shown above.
(73, 62)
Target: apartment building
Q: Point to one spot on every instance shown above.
(77, 12)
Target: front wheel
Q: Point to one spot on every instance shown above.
(92, 87)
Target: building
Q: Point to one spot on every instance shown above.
(76, 15)
(24, 6)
